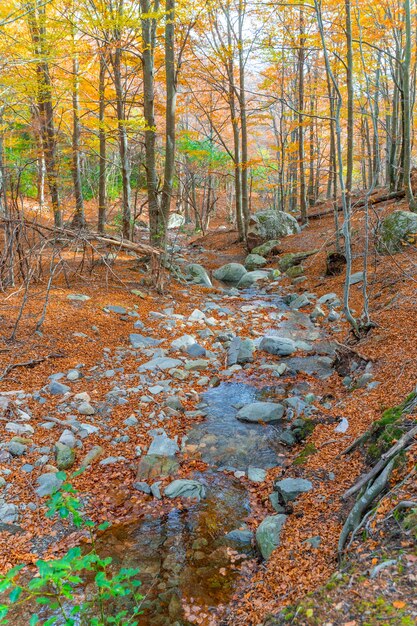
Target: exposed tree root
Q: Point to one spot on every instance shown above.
(354, 518)
(385, 458)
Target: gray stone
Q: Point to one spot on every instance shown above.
(175, 220)
(197, 365)
(268, 534)
(183, 342)
(272, 224)
(174, 402)
(16, 448)
(185, 488)
(162, 445)
(65, 456)
(19, 429)
(195, 350)
(8, 513)
(241, 537)
(287, 438)
(329, 298)
(333, 316)
(156, 491)
(56, 388)
(74, 375)
(85, 408)
(48, 484)
(316, 314)
(290, 488)
(230, 273)
(265, 248)
(356, 278)
(142, 486)
(395, 229)
(261, 412)
(140, 341)
(92, 455)
(256, 474)
(131, 421)
(251, 278)
(300, 302)
(112, 460)
(197, 316)
(254, 262)
(196, 274)
(314, 541)
(160, 363)
(115, 308)
(240, 351)
(279, 346)
(78, 297)
(276, 505)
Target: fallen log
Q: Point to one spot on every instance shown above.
(393, 195)
(90, 236)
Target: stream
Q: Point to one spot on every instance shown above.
(189, 559)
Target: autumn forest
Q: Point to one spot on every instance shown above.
(208, 253)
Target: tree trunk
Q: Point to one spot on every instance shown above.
(407, 110)
(102, 192)
(243, 119)
(78, 220)
(301, 58)
(171, 97)
(156, 223)
(45, 106)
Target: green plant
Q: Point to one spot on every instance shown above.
(58, 586)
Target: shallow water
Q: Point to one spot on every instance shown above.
(225, 442)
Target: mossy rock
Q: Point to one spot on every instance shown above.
(396, 230)
(295, 271)
(309, 450)
(387, 430)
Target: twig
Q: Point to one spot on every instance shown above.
(30, 363)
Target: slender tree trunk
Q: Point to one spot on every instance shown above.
(102, 191)
(407, 109)
(171, 97)
(78, 220)
(243, 119)
(156, 224)
(45, 106)
(116, 59)
(301, 58)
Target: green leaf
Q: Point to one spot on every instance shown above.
(15, 594)
(34, 620)
(104, 526)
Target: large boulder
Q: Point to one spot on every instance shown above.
(197, 275)
(257, 412)
(395, 229)
(250, 278)
(268, 534)
(254, 262)
(230, 273)
(175, 220)
(270, 224)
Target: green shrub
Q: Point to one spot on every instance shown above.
(57, 585)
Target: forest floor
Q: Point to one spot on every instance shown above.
(85, 335)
